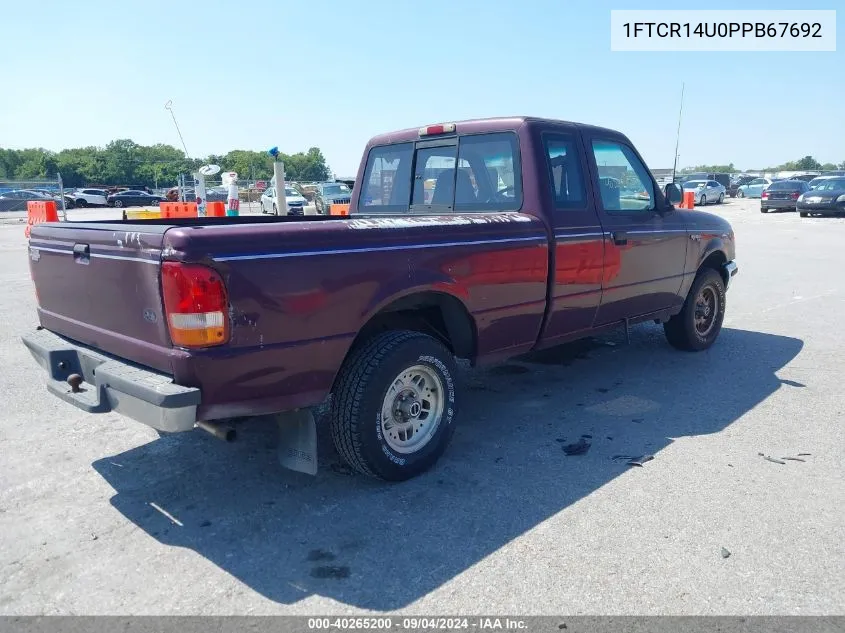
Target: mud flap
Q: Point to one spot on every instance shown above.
(298, 441)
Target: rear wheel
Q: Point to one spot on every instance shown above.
(696, 327)
(118, 203)
(721, 198)
(763, 210)
(740, 194)
(81, 203)
(803, 214)
(394, 407)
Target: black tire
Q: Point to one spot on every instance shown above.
(681, 330)
(275, 209)
(361, 390)
(763, 210)
(703, 200)
(118, 203)
(803, 214)
(721, 198)
(81, 203)
(740, 194)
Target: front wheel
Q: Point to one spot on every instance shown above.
(740, 194)
(696, 327)
(394, 407)
(703, 201)
(721, 198)
(118, 203)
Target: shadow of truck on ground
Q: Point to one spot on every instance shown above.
(382, 546)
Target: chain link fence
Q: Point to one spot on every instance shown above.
(14, 194)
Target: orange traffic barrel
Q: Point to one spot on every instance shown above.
(215, 209)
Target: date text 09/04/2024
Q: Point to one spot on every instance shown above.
(416, 623)
(723, 29)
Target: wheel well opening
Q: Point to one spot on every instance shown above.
(436, 314)
(716, 261)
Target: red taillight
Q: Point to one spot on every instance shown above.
(795, 195)
(195, 303)
(443, 128)
(765, 195)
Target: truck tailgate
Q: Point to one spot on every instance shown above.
(99, 284)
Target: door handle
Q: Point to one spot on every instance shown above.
(620, 238)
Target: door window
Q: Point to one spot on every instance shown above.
(623, 179)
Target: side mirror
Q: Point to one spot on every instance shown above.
(673, 193)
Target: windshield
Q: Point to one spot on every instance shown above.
(694, 184)
(832, 184)
(291, 192)
(331, 190)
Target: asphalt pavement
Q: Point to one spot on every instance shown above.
(98, 515)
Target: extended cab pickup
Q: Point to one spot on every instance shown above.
(480, 240)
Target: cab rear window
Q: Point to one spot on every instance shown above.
(469, 173)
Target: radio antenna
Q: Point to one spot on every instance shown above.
(678, 136)
(169, 107)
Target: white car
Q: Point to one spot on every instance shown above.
(706, 191)
(89, 197)
(295, 202)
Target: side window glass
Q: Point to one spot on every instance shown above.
(623, 180)
(387, 179)
(565, 177)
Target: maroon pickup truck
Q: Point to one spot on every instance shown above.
(479, 240)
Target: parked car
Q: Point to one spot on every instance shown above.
(815, 182)
(294, 200)
(329, 193)
(826, 199)
(16, 199)
(55, 196)
(90, 197)
(212, 194)
(270, 315)
(754, 189)
(132, 198)
(736, 183)
(706, 191)
(804, 177)
(782, 195)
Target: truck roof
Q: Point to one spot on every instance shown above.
(475, 126)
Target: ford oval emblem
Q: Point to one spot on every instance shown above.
(150, 316)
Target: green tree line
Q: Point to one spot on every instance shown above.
(124, 162)
(807, 163)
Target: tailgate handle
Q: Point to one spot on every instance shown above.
(81, 253)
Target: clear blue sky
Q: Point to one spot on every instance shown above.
(85, 72)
